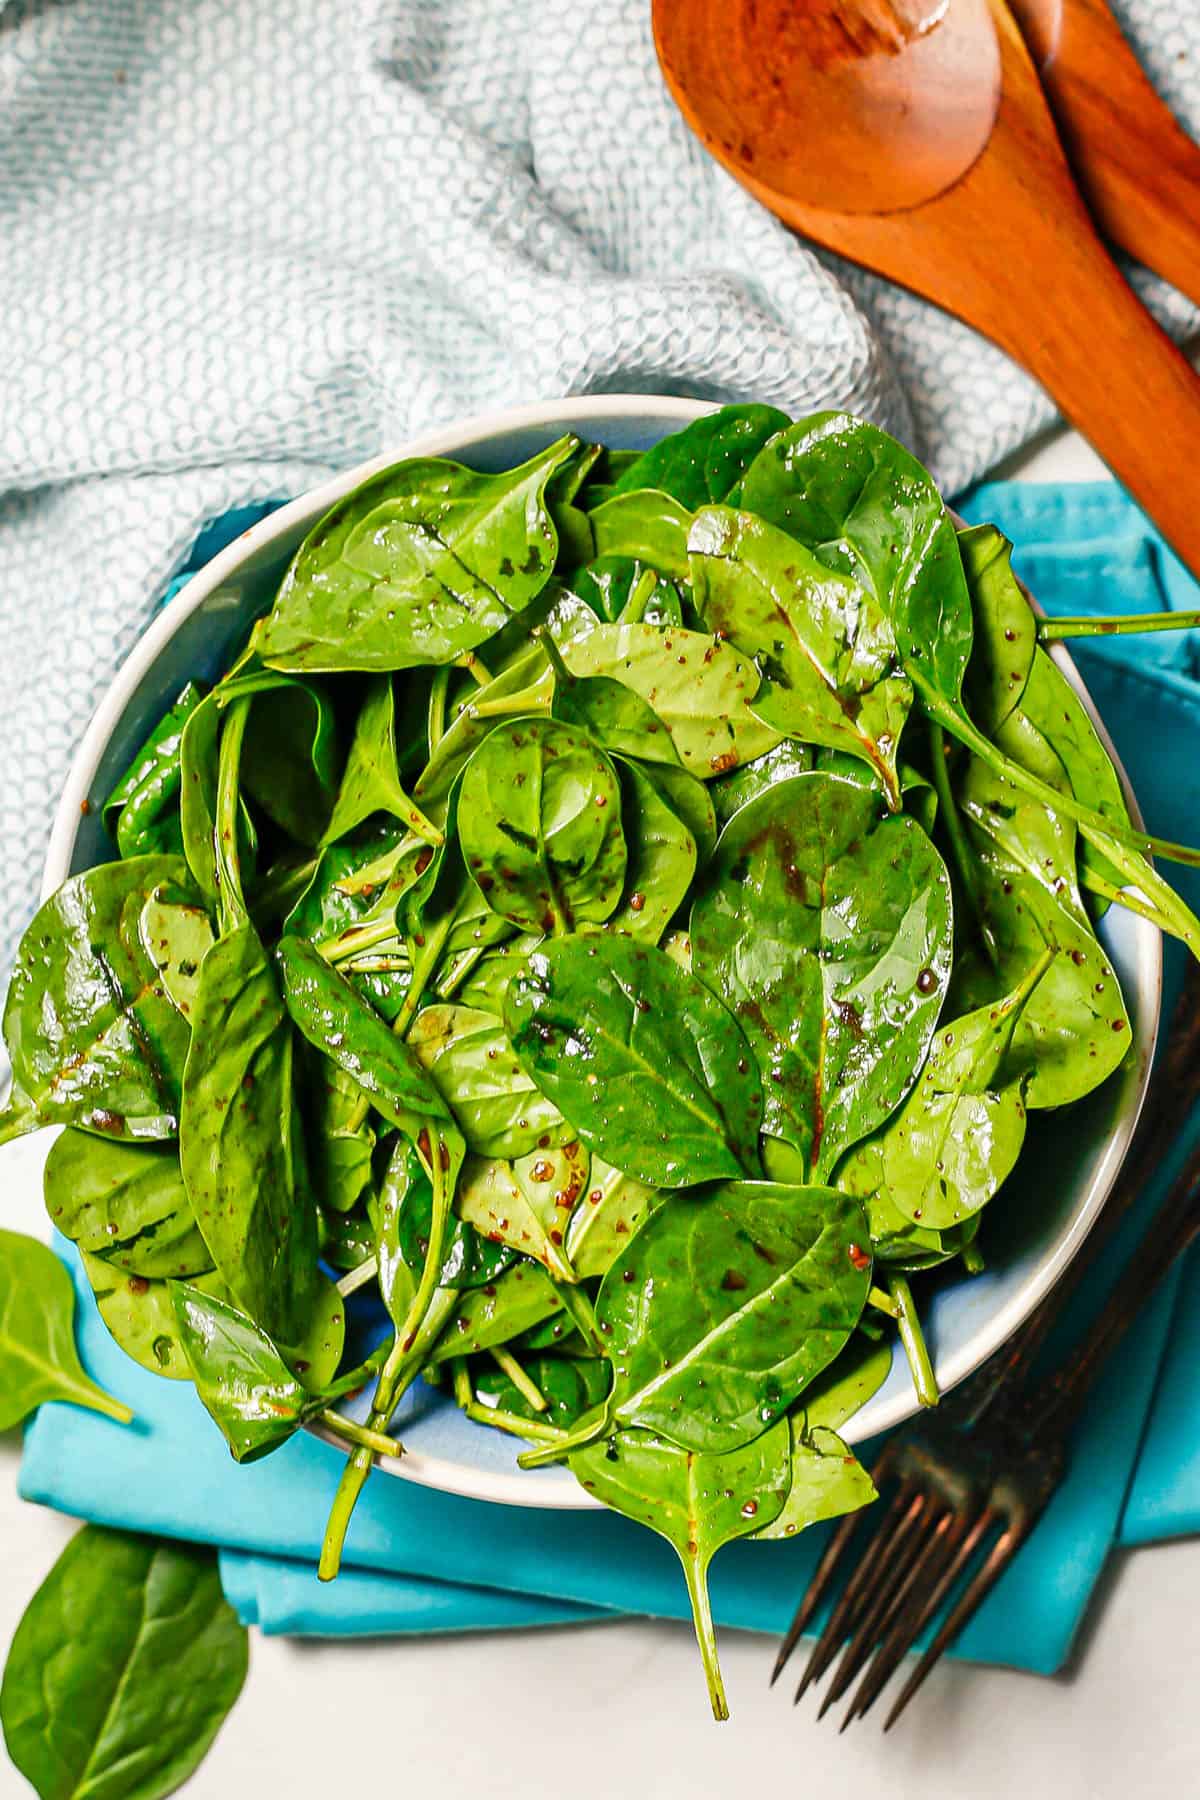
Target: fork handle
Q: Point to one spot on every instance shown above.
(1056, 1403)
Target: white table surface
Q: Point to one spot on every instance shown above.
(606, 1710)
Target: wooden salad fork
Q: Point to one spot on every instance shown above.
(914, 137)
(967, 1487)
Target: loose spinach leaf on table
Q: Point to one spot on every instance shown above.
(650, 1068)
(827, 927)
(94, 1037)
(147, 1657)
(38, 1359)
(822, 643)
(540, 823)
(125, 1203)
(423, 562)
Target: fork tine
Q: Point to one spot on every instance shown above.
(998, 1559)
(877, 1609)
(903, 1518)
(823, 1572)
(910, 1619)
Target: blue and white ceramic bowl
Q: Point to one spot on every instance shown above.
(1047, 1206)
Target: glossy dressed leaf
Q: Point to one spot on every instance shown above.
(240, 1138)
(520, 1298)
(864, 506)
(340, 1142)
(338, 1022)
(540, 824)
(697, 1502)
(471, 1062)
(648, 1066)
(1005, 630)
(405, 1214)
(899, 1244)
(527, 1204)
(125, 1203)
(243, 1380)
(700, 688)
(38, 1359)
(200, 750)
(644, 524)
(609, 1211)
(746, 783)
(621, 722)
(176, 933)
(822, 643)
(945, 1152)
(828, 1481)
(94, 1038)
(611, 585)
(691, 801)
(371, 779)
(525, 687)
(142, 812)
(122, 1670)
(661, 858)
(827, 928)
(843, 1389)
(291, 758)
(706, 460)
(353, 884)
(727, 1304)
(421, 563)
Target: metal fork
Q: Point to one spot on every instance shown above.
(968, 1486)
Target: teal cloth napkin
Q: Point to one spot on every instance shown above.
(421, 1561)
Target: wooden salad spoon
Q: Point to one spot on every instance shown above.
(913, 136)
(1138, 169)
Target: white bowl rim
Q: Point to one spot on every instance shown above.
(457, 439)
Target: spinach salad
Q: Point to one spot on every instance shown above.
(611, 922)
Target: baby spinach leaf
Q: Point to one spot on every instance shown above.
(608, 1213)
(471, 1062)
(339, 1140)
(620, 720)
(1005, 630)
(822, 643)
(525, 687)
(138, 1313)
(612, 584)
(125, 1203)
(644, 1062)
(540, 826)
(38, 1359)
(650, 526)
(865, 507)
(240, 1139)
(690, 800)
(746, 783)
(843, 1389)
(423, 562)
(248, 1385)
(958, 1135)
(371, 778)
(828, 929)
(528, 1203)
(470, 1258)
(336, 1020)
(523, 1296)
(570, 1385)
(697, 1502)
(827, 1481)
(176, 933)
(700, 688)
(707, 459)
(711, 1359)
(93, 1036)
(142, 812)
(147, 1657)
(661, 854)
(291, 758)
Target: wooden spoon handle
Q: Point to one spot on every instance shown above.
(1137, 167)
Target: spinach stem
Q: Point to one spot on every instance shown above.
(439, 688)
(594, 1426)
(972, 1258)
(525, 1386)
(354, 1279)
(535, 698)
(354, 1433)
(883, 1303)
(86, 1393)
(913, 1339)
(476, 669)
(640, 594)
(1126, 897)
(579, 1307)
(463, 1395)
(232, 904)
(696, 1575)
(357, 938)
(535, 1429)
(1115, 624)
(960, 848)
